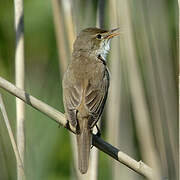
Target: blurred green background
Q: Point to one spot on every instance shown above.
(48, 153)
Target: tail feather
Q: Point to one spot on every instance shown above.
(84, 144)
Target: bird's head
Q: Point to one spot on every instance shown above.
(95, 40)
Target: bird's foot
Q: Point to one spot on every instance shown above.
(98, 131)
(97, 134)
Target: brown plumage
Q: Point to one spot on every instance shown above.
(85, 87)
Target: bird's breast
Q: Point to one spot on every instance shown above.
(88, 68)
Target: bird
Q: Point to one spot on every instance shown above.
(85, 87)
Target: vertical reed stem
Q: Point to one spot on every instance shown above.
(11, 136)
(19, 70)
(179, 83)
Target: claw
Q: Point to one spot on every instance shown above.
(98, 131)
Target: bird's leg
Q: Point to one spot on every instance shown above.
(97, 134)
(98, 131)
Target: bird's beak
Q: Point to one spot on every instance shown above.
(112, 33)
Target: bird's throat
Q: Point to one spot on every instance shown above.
(104, 49)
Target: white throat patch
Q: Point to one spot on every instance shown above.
(105, 47)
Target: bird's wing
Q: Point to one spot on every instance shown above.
(72, 98)
(95, 99)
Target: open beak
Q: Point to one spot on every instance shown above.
(113, 33)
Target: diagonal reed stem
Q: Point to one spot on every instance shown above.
(59, 117)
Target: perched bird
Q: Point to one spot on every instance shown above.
(85, 87)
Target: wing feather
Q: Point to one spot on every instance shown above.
(72, 98)
(96, 99)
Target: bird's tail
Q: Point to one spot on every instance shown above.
(84, 141)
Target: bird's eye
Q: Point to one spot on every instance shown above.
(99, 36)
